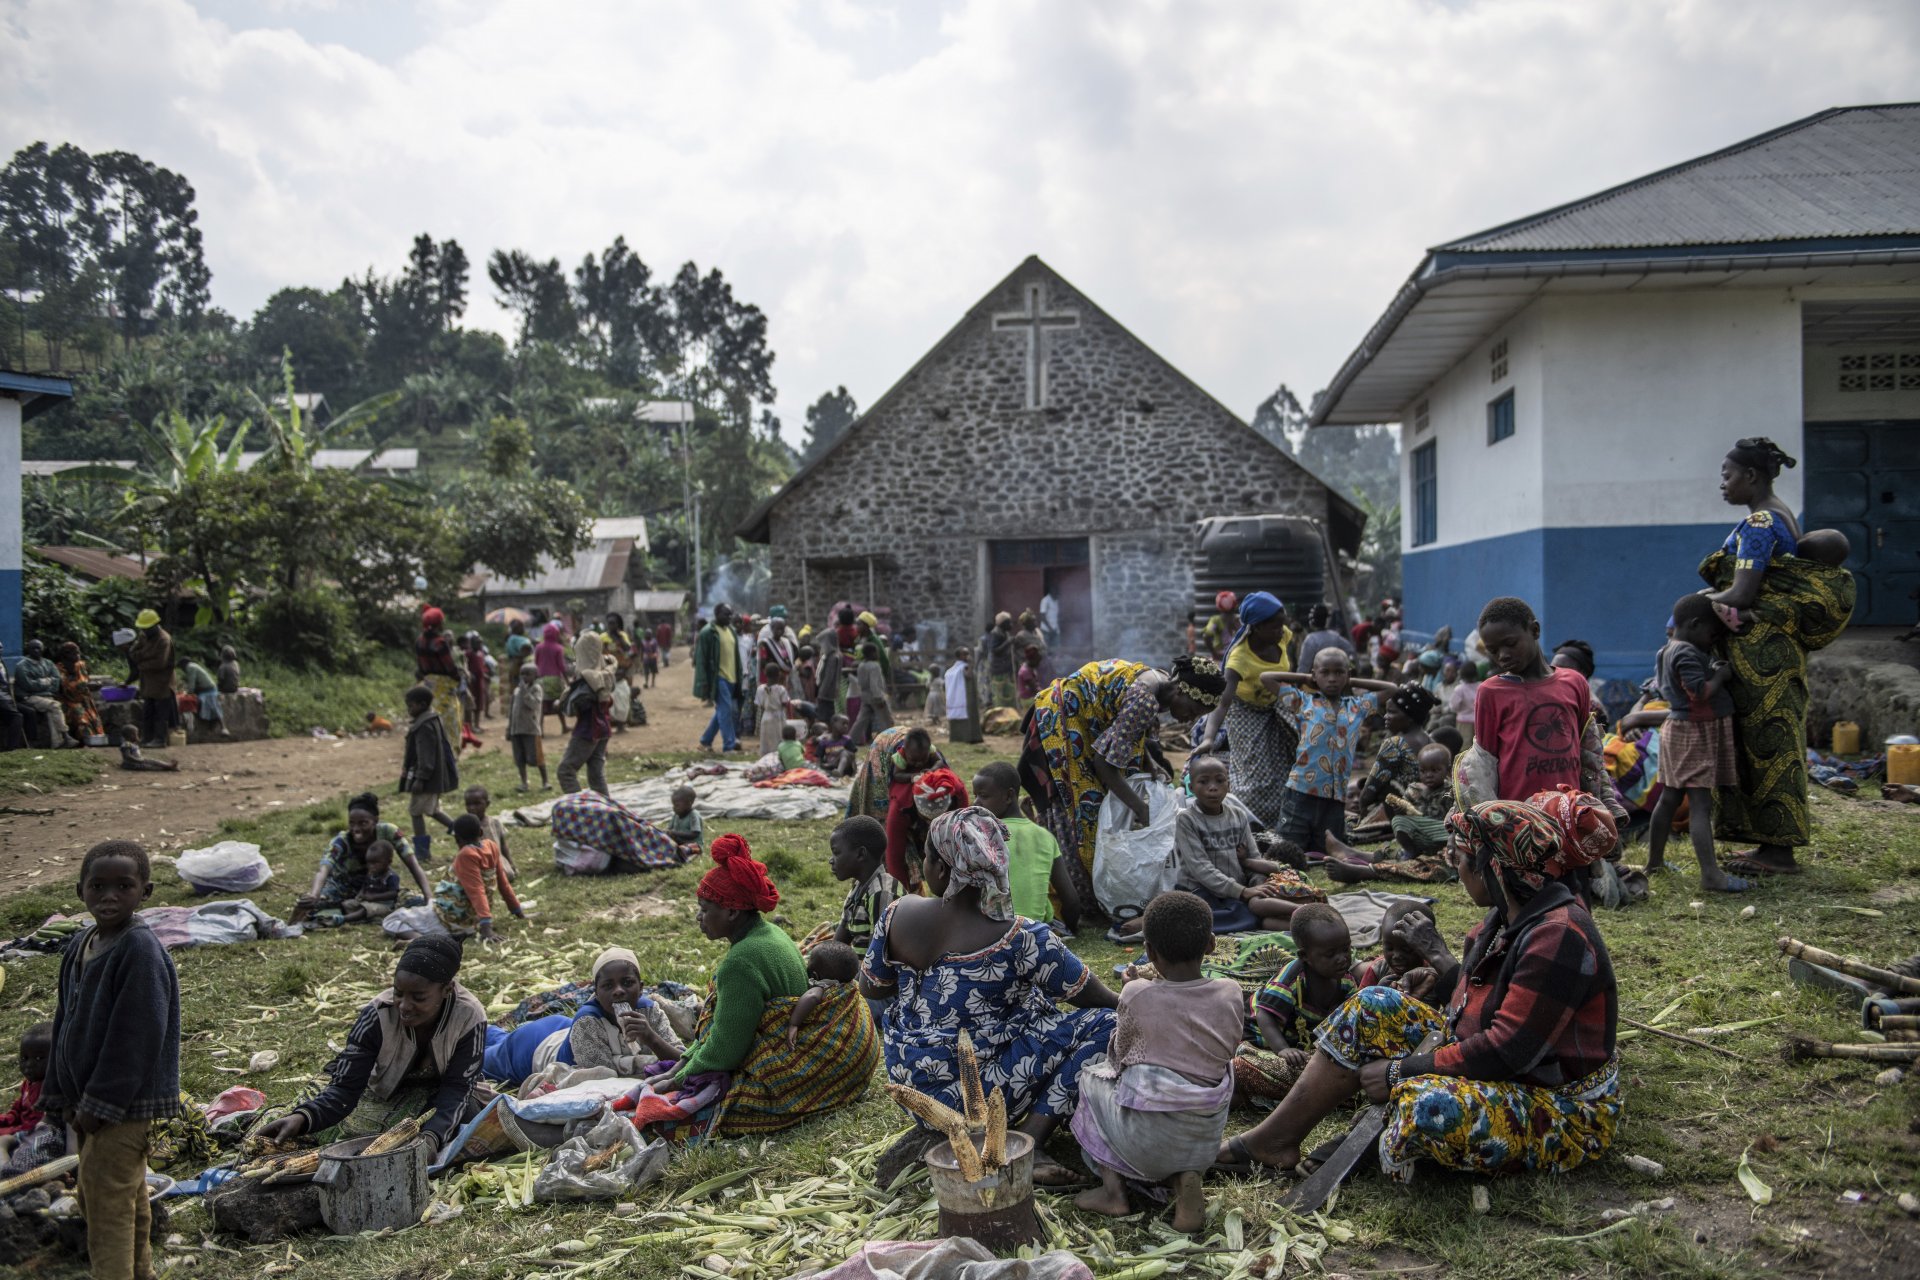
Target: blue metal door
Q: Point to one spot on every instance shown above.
(1863, 478)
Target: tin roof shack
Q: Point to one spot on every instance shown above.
(602, 579)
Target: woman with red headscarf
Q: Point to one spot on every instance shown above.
(434, 662)
(767, 1084)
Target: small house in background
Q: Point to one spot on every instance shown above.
(651, 608)
(602, 579)
(88, 565)
(1567, 385)
(312, 405)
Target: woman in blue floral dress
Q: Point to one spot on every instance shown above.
(961, 960)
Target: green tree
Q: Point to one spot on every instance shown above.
(537, 292)
(509, 519)
(320, 330)
(827, 419)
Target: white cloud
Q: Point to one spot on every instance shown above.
(1243, 185)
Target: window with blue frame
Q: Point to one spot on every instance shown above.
(1426, 496)
(1500, 418)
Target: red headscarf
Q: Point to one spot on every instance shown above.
(1226, 602)
(737, 882)
(938, 790)
(431, 617)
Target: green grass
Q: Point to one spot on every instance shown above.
(36, 773)
(299, 699)
(1814, 1130)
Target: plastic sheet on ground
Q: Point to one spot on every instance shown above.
(570, 1174)
(725, 796)
(949, 1259)
(230, 866)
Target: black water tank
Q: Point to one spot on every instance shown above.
(1286, 555)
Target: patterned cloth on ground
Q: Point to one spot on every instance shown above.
(1477, 1126)
(591, 819)
(796, 778)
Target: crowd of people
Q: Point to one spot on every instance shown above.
(1293, 745)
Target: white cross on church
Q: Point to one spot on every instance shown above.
(1036, 320)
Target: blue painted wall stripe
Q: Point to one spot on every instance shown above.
(1612, 587)
(10, 614)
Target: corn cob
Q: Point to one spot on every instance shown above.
(995, 1154)
(970, 1091)
(937, 1115)
(395, 1138)
(601, 1159)
(304, 1165)
(932, 1112)
(1400, 804)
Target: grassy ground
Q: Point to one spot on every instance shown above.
(1812, 1131)
(31, 773)
(298, 699)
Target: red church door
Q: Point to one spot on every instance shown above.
(1052, 577)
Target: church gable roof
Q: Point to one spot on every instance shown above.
(757, 526)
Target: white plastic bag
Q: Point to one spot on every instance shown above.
(567, 1178)
(577, 1101)
(1132, 863)
(231, 866)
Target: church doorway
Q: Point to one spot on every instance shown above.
(1053, 577)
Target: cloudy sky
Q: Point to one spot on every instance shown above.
(1244, 184)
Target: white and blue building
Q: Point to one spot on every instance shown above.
(21, 396)
(1566, 385)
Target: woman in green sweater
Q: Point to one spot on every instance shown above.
(742, 1031)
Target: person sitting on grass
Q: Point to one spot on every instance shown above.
(1520, 1074)
(621, 1027)
(1697, 752)
(792, 754)
(36, 1046)
(1397, 957)
(344, 867)
(463, 903)
(417, 1046)
(1154, 1108)
(686, 826)
(857, 853)
(831, 966)
(1296, 1000)
(379, 892)
(1420, 836)
(1036, 872)
(478, 800)
(198, 681)
(134, 760)
(428, 770)
(834, 750)
(1219, 861)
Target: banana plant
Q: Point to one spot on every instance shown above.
(180, 450)
(293, 436)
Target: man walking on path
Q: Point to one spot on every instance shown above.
(716, 678)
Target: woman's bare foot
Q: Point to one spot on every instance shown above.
(1189, 1204)
(1048, 1172)
(1109, 1198)
(1238, 1153)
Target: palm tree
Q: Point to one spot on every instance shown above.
(293, 437)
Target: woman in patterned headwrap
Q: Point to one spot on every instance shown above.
(1089, 730)
(1521, 1074)
(960, 959)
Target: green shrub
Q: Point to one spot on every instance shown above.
(51, 608)
(310, 627)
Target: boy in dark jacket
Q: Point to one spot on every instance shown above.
(116, 1055)
(428, 771)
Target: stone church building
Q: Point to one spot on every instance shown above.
(1038, 449)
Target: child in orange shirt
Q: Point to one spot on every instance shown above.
(464, 902)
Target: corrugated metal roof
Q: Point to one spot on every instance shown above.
(634, 527)
(659, 601)
(1845, 173)
(93, 562)
(600, 566)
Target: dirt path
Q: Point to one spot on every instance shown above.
(172, 811)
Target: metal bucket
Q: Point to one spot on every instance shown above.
(997, 1210)
(372, 1193)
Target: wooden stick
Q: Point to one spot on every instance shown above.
(1899, 1022)
(34, 1177)
(1675, 1035)
(1799, 1047)
(1826, 959)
